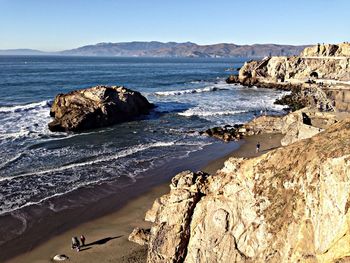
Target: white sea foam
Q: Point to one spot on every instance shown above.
(227, 108)
(187, 91)
(24, 121)
(25, 107)
(121, 154)
(11, 160)
(203, 113)
(19, 204)
(4, 211)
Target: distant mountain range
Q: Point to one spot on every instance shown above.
(169, 49)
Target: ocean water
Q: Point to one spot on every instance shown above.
(190, 94)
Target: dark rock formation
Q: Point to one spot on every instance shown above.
(232, 79)
(306, 97)
(228, 133)
(296, 100)
(96, 107)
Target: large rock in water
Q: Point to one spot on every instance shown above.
(289, 205)
(96, 107)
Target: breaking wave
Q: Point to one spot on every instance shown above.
(187, 91)
(121, 154)
(26, 107)
(196, 112)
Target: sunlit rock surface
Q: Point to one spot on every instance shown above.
(96, 107)
(289, 205)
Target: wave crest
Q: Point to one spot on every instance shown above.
(25, 107)
(187, 91)
(201, 113)
(120, 154)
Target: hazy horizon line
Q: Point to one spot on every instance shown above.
(148, 41)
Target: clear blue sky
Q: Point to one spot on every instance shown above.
(62, 24)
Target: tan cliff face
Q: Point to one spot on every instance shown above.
(289, 205)
(323, 66)
(326, 62)
(325, 50)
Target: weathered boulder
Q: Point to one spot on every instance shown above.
(289, 205)
(228, 132)
(265, 124)
(96, 107)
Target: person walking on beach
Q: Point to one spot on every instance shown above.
(75, 244)
(82, 240)
(258, 147)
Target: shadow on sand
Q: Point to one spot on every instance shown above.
(267, 150)
(101, 241)
(84, 248)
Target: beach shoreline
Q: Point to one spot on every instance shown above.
(34, 225)
(107, 233)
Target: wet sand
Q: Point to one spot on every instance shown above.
(107, 236)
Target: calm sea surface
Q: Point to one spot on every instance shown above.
(190, 95)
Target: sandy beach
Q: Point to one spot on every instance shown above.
(107, 236)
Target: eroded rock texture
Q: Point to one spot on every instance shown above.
(289, 205)
(320, 62)
(327, 50)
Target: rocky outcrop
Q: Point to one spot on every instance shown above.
(341, 99)
(289, 205)
(298, 125)
(327, 50)
(96, 107)
(326, 62)
(296, 69)
(317, 76)
(300, 98)
(265, 124)
(228, 132)
(232, 79)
